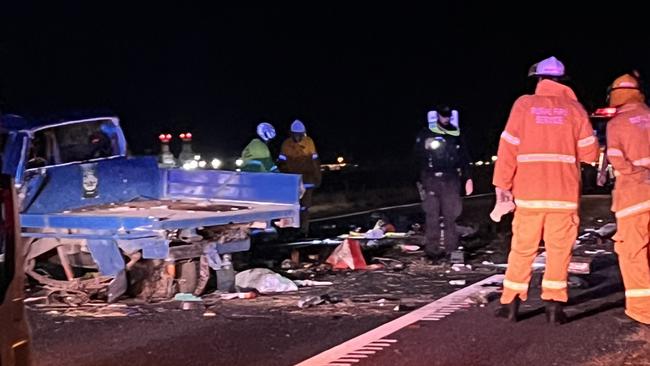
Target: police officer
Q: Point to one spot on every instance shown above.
(443, 163)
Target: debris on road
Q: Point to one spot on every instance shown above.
(264, 281)
(308, 301)
(577, 282)
(238, 295)
(457, 282)
(304, 283)
(347, 255)
(186, 297)
(409, 248)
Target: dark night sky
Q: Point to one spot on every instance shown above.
(360, 78)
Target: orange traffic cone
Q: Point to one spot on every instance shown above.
(347, 255)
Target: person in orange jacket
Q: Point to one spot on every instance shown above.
(546, 137)
(628, 150)
(298, 155)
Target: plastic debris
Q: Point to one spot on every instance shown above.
(239, 295)
(409, 248)
(597, 251)
(264, 281)
(606, 230)
(182, 296)
(457, 282)
(303, 283)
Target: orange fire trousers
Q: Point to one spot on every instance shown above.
(632, 240)
(529, 227)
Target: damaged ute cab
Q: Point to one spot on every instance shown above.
(90, 214)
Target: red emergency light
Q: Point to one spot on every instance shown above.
(187, 136)
(605, 112)
(164, 138)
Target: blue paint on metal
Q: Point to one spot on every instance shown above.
(85, 222)
(120, 238)
(107, 256)
(119, 180)
(233, 246)
(32, 188)
(148, 225)
(156, 249)
(14, 154)
(238, 186)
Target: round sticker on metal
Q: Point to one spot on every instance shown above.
(89, 180)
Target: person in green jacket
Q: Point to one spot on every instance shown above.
(256, 155)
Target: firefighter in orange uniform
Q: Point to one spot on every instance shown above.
(298, 155)
(546, 137)
(628, 150)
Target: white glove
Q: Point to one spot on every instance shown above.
(504, 204)
(469, 187)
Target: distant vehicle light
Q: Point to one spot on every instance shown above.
(182, 136)
(202, 164)
(216, 163)
(188, 135)
(494, 158)
(605, 112)
(487, 163)
(190, 165)
(340, 159)
(239, 162)
(164, 138)
(479, 163)
(197, 157)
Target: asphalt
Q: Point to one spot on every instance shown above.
(598, 333)
(273, 331)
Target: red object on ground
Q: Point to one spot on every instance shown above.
(347, 255)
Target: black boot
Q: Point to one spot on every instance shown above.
(509, 311)
(554, 312)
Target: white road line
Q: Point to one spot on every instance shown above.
(371, 349)
(358, 344)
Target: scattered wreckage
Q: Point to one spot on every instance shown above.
(95, 214)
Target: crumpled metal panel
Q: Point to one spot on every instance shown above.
(107, 256)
